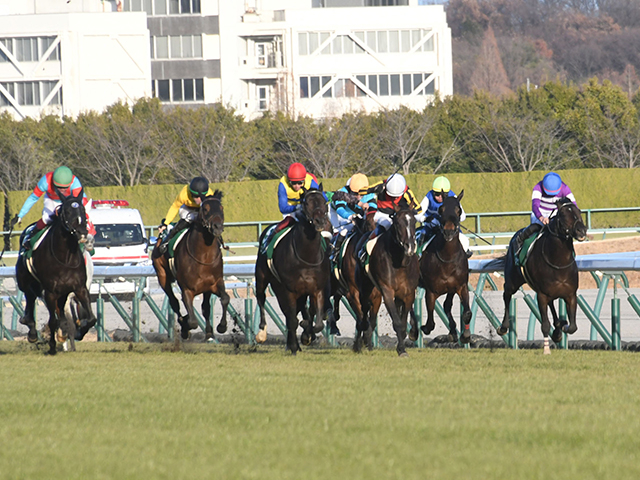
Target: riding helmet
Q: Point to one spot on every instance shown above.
(551, 183)
(199, 187)
(296, 172)
(62, 177)
(441, 184)
(396, 185)
(358, 182)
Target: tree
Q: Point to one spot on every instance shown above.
(489, 74)
(124, 145)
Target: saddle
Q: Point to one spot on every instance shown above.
(423, 243)
(171, 249)
(34, 241)
(522, 255)
(271, 246)
(339, 256)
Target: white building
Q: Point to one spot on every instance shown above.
(306, 57)
(64, 58)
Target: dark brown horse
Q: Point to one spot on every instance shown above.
(302, 268)
(58, 267)
(344, 282)
(550, 270)
(393, 276)
(198, 266)
(444, 269)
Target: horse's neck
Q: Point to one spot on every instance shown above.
(396, 251)
(447, 249)
(62, 242)
(559, 247)
(203, 238)
(307, 241)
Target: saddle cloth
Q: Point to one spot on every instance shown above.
(522, 255)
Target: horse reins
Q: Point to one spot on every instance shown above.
(216, 237)
(557, 234)
(64, 224)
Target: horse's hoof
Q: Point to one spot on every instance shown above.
(185, 333)
(32, 336)
(304, 324)
(465, 338)
(502, 330)
(24, 321)
(305, 338)
(569, 328)
(403, 355)
(222, 327)
(318, 327)
(413, 335)
(546, 351)
(210, 339)
(427, 329)
(334, 330)
(61, 337)
(556, 336)
(261, 336)
(452, 338)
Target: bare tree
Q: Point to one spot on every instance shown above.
(122, 146)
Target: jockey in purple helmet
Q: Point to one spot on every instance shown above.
(543, 203)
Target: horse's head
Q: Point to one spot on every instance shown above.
(450, 212)
(211, 213)
(72, 215)
(404, 229)
(314, 208)
(569, 220)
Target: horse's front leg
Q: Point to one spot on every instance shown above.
(51, 300)
(572, 308)
(430, 303)
(28, 318)
(376, 301)
(189, 322)
(465, 319)
(84, 299)
(448, 304)
(261, 298)
(288, 305)
(556, 336)
(206, 314)
(401, 331)
(222, 294)
(543, 303)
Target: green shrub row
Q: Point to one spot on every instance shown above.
(483, 192)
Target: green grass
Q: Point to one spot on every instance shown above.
(206, 412)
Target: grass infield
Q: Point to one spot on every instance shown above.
(119, 411)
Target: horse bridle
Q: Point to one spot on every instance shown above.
(216, 237)
(304, 203)
(65, 223)
(568, 233)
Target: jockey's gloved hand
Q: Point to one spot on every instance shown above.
(15, 220)
(162, 226)
(90, 243)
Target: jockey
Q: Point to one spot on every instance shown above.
(346, 203)
(543, 204)
(290, 190)
(430, 217)
(393, 192)
(67, 184)
(186, 205)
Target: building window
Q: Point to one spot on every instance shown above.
(181, 46)
(394, 84)
(304, 87)
(178, 90)
(29, 49)
(164, 7)
(379, 41)
(263, 95)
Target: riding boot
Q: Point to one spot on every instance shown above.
(182, 224)
(526, 233)
(362, 253)
(26, 243)
(337, 245)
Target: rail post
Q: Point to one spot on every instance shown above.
(248, 321)
(100, 313)
(417, 309)
(513, 325)
(562, 316)
(615, 318)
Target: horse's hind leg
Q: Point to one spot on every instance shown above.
(430, 302)
(463, 294)
(261, 298)
(448, 304)
(376, 301)
(206, 314)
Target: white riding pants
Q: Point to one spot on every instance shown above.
(188, 213)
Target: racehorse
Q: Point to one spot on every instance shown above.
(393, 276)
(550, 270)
(301, 269)
(198, 268)
(345, 285)
(444, 268)
(58, 270)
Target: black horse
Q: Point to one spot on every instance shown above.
(393, 276)
(198, 266)
(444, 268)
(302, 268)
(58, 268)
(343, 281)
(550, 270)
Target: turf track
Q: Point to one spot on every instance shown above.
(145, 412)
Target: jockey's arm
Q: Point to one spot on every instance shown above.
(283, 202)
(181, 198)
(413, 203)
(424, 205)
(38, 191)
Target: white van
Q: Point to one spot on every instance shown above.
(120, 240)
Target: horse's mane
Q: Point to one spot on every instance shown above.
(565, 200)
(218, 194)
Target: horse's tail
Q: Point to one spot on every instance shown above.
(498, 263)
